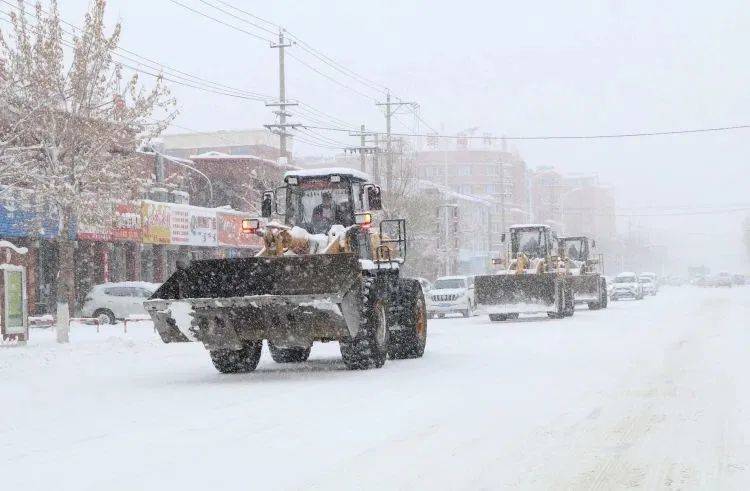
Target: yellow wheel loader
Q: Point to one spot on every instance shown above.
(589, 286)
(532, 278)
(326, 273)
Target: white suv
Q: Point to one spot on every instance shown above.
(627, 285)
(111, 301)
(451, 295)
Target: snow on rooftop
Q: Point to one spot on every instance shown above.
(529, 225)
(327, 171)
(214, 155)
(424, 184)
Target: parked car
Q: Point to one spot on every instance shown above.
(723, 279)
(739, 279)
(654, 280)
(626, 285)
(111, 301)
(648, 285)
(451, 295)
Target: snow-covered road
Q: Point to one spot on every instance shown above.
(650, 394)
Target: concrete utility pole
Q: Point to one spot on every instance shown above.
(375, 163)
(282, 104)
(363, 149)
(389, 112)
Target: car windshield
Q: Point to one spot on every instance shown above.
(317, 204)
(449, 284)
(645, 280)
(528, 242)
(625, 279)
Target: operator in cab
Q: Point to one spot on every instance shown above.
(324, 215)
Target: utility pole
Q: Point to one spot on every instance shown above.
(375, 163)
(363, 149)
(389, 112)
(362, 164)
(282, 104)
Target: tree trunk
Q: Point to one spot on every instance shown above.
(65, 286)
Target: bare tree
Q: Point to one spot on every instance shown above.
(78, 121)
(409, 199)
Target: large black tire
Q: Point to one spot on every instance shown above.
(238, 361)
(369, 348)
(288, 355)
(408, 310)
(105, 316)
(498, 317)
(561, 310)
(570, 307)
(605, 297)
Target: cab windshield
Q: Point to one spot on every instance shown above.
(529, 242)
(574, 250)
(625, 279)
(316, 205)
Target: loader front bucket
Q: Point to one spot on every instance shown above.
(585, 288)
(223, 301)
(516, 293)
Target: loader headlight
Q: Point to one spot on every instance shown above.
(363, 219)
(250, 225)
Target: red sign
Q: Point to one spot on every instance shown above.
(230, 232)
(127, 223)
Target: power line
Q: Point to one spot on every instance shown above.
(227, 24)
(156, 65)
(227, 4)
(325, 75)
(265, 29)
(187, 79)
(302, 44)
(561, 137)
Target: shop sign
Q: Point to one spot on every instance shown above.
(194, 226)
(89, 229)
(156, 222)
(127, 224)
(231, 234)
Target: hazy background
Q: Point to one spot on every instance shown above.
(512, 68)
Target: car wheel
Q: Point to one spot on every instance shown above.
(105, 316)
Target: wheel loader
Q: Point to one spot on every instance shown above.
(589, 286)
(328, 271)
(531, 278)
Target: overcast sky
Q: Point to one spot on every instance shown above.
(513, 68)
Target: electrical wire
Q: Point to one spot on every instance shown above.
(563, 137)
(227, 24)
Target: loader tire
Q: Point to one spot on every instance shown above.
(238, 361)
(498, 317)
(369, 348)
(561, 310)
(288, 355)
(605, 297)
(410, 313)
(570, 307)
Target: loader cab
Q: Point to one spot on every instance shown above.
(315, 200)
(575, 248)
(535, 241)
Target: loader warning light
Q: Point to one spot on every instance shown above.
(250, 225)
(363, 219)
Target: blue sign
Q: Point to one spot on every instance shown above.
(21, 221)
